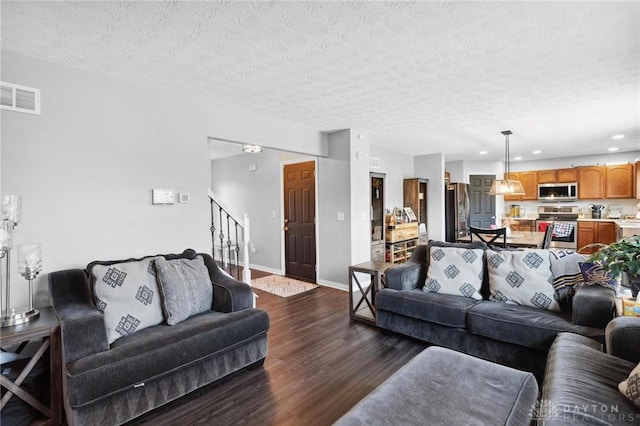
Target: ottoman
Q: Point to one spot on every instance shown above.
(444, 387)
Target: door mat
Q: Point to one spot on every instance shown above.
(282, 286)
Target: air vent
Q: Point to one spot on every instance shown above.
(19, 98)
(374, 163)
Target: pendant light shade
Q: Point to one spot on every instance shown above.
(506, 186)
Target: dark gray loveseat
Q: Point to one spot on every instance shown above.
(112, 383)
(510, 334)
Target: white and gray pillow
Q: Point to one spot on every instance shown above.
(522, 277)
(456, 271)
(630, 387)
(186, 287)
(127, 295)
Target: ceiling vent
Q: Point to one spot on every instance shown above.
(374, 163)
(19, 98)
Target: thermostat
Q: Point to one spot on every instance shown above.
(163, 196)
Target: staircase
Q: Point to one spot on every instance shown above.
(226, 230)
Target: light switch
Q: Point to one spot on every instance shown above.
(340, 216)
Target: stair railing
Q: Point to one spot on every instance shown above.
(223, 219)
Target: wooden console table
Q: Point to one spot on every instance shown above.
(363, 309)
(46, 330)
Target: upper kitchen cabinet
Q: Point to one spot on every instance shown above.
(529, 182)
(591, 182)
(566, 175)
(547, 176)
(618, 181)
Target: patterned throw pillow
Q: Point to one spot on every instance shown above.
(522, 277)
(186, 287)
(127, 294)
(456, 271)
(631, 387)
(594, 273)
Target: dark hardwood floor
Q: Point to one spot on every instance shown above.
(319, 365)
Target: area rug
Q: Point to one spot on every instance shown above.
(282, 286)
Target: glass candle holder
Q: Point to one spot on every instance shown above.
(11, 208)
(6, 235)
(29, 259)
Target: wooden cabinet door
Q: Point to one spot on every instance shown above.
(606, 232)
(591, 182)
(619, 181)
(586, 235)
(547, 176)
(530, 183)
(567, 175)
(515, 176)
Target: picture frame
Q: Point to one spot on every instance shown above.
(410, 214)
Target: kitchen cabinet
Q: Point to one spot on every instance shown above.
(567, 175)
(547, 176)
(618, 181)
(591, 182)
(589, 232)
(529, 181)
(377, 216)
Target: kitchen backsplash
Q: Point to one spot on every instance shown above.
(627, 207)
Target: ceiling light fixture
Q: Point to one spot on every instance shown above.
(483, 152)
(617, 136)
(506, 186)
(517, 158)
(613, 148)
(251, 149)
(537, 151)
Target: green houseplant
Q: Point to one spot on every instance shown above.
(621, 257)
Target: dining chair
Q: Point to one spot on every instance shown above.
(548, 235)
(490, 236)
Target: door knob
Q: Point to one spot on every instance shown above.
(286, 228)
(286, 221)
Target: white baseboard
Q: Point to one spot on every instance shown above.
(333, 284)
(266, 269)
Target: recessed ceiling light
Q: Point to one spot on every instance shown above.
(537, 151)
(517, 158)
(483, 152)
(617, 136)
(613, 148)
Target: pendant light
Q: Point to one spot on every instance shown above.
(251, 149)
(506, 186)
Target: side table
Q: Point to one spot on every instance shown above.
(362, 297)
(45, 330)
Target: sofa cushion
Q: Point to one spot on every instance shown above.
(581, 385)
(522, 277)
(127, 295)
(522, 325)
(441, 309)
(631, 386)
(455, 271)
(185, 286)
(160, 350)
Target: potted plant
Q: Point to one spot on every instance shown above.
(621, 257)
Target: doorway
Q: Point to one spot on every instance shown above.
(299, 188)
(483, 205)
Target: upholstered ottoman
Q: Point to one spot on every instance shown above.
(443, 387)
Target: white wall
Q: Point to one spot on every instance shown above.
(360, 190)
(86, 166)
(396, 167)
(432, 167)
(561, 163)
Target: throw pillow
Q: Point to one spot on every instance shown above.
(631, 386)
(127, 295)
(565, 268)
(185, 286)
(522, 277)
(456, 271)
(594, 273)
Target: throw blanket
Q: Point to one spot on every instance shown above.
(565, 268)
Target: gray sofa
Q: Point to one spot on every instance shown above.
(447, 387)
(113, 383)
(513, 335)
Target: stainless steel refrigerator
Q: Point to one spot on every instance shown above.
(456, 211)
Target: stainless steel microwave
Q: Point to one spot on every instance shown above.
(558, 191)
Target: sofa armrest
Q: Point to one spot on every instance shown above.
(81, 323)
(623, 338)
(593, 306)
(411, 274)
(229, 294)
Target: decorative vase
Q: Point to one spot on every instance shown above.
(633, 282)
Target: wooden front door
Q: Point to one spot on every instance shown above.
(483, 205)
(300, 220)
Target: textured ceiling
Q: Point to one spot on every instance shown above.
(419, 77)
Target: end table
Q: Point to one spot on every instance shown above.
(362, 297)
(46, 331)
